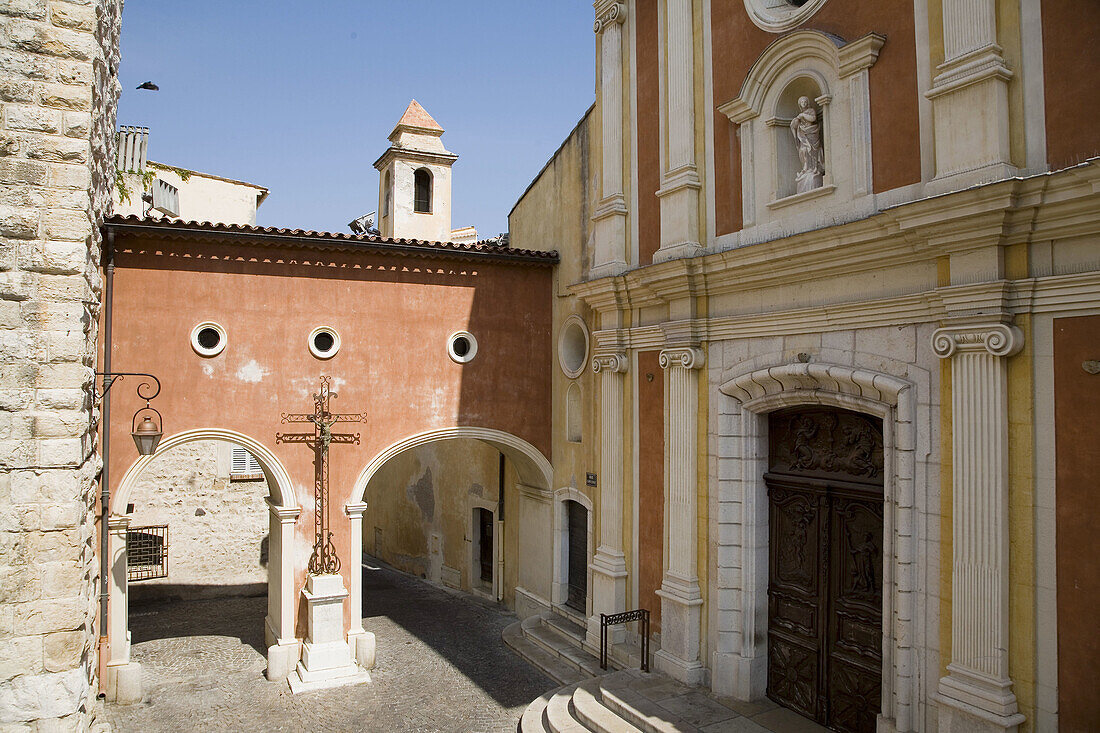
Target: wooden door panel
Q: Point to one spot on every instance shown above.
(794, 674)
(578, 556)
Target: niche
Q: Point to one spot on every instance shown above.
(795, 169)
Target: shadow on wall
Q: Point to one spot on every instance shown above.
(454, 625)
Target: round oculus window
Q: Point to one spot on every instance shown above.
(208, 339)
(324, 342)
(781, 15)
(573, 346)
(462, 347)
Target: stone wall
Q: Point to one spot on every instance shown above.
(58, 91)
(217, 527)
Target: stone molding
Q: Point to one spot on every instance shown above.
(285, 514)
(757, 391)
(688, 357)
(608, 13)
(616, 363)
(998, 339)
(355, 510)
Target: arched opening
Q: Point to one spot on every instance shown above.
(442, 506)
(422, 191)
(206, 505)
(387, 194)
(572, 552)
(800, 138)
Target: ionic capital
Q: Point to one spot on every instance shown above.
(688, 357)
(614, 363)
(608, 13)
(999, 339)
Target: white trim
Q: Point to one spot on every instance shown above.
(531, 465)
(573, 320)
(776, 21)
(335, 342)
(741, 669)
(1035, 111)
(559, 584)
(708, 191)
(202, 350)
(469, 355)
(278, 479)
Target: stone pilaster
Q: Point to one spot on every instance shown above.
(123, 677)
(609, 563)
(360, 640)
(976, 694)
(681, 601)
(970, 96)
(609, 218)
(679, 192)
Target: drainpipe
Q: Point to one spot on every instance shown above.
(105, 473)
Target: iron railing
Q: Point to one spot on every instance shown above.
(613, 619)
(147, 552)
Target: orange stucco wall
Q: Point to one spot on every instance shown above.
(649, 132)
(651, 483)
(895, 136)
(394, 314)
(1071, 55)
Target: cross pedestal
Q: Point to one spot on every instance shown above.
(326, 657)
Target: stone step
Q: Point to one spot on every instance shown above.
(624, 694)
(532, 720)
(591, 711)
(566, 626)
(537, 631)
(549, 663)
(559, 715)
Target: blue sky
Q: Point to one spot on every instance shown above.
(300, 96)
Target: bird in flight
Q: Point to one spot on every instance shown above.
(148, 85)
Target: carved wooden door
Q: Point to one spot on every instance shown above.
(825, 566)
(578, 556)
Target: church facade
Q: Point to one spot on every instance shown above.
(836, 270)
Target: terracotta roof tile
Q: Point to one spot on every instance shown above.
(475, 250)
(417, 116)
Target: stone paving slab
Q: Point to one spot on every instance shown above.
(441, 666)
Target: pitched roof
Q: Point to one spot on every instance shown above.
(327, 240)
(417, 116)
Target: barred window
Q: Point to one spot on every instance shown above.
(147, 552)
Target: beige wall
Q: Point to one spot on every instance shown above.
(217, 528)
(420, 504)
(202, 197)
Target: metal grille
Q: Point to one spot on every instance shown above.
(147, 552)
(626, 617)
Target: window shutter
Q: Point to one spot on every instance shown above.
(243, 462)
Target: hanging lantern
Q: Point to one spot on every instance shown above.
(147, 434)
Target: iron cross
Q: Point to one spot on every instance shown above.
(324, 559)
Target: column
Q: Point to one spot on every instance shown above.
(123, 677)
(282, 646)
(681, 612)
(970, 95)
(361, 641)
(679, 192)
(609, 563)
(976, 694)
(609, 218)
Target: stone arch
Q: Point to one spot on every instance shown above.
(123, 678)
(278, 480)
(533, 467)
(754, 394)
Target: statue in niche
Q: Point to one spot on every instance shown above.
(807, 135)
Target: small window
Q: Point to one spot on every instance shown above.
(208, 339)
(462, 347)
(387, 206)
(244, 467)
(147, 552)
(324, 342)
(422, 191)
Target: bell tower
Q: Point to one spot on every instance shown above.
(414, 187)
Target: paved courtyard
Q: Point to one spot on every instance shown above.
(441, 666)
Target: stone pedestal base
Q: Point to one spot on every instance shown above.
(608, 595)
(973, 705)
(681, 616)
(123, 683)
(326, 657)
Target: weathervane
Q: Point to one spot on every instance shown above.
(324, 559)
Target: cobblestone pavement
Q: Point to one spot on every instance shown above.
(441, 666)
